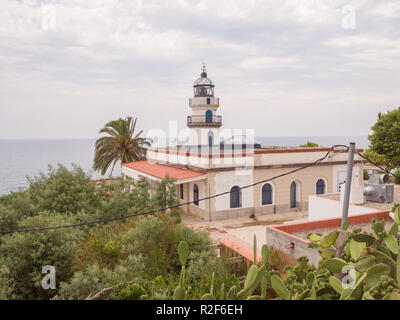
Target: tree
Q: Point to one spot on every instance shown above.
(25, 254)
(6, 284)
(62, 190)
(397, 176)
(309, 144)
(119, 144)
(385, 140)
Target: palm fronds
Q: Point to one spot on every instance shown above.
(119, 143)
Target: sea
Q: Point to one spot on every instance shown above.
(20, 159)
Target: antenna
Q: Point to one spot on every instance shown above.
(204, 67)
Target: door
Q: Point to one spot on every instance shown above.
(208, 116)
(293, 196)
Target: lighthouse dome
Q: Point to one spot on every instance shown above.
(203, 86)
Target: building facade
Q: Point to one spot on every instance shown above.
(209, 165)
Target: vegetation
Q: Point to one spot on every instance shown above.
(355, 265)
(157, 257)
(397, 176)
(119, 143)
(256, 276)
(309, 144)
(384, 141)
(365, 174)
(138, 255)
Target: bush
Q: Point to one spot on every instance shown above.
(146, 248)
(93, 279)
(397, 176)
(6, 284)
(365, 174)
(62, 190)
(24, 254)
(309, 144)
(87, 259)
(157, 237)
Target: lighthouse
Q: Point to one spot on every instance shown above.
(204, 123)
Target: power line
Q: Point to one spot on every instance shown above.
(175, 206)
(377, 165)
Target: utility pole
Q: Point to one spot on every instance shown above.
(349, 176)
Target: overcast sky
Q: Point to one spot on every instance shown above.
(282, 68)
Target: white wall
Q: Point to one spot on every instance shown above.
(340, 174)
(322, 208)
(225, 180)
(339, 177)
(202, 192)
(199, 136)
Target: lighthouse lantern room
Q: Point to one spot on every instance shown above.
(204, 123)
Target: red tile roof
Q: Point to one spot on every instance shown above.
(160, 170)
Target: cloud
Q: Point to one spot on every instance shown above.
(290, 64)
(270, 62)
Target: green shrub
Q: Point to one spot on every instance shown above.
(309, 144)
(94, 278)
(7, 286)
(24, 254)
(397, 176)
(62, 191)
(87, 259)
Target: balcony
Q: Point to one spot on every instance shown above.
(203, 101)
(204, 121)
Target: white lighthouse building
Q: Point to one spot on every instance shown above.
(238, 170)
(204, 123)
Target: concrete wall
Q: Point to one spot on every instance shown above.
(202, 192)
(280, 236)
(296, 156)
(319, 207)
(279, 240)
(224, 181)
(305, 179)
(199, 136)
(257, 158)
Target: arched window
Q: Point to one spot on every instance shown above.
(320, 186)
(196, 195)
(208, 116)
(181, 191)
(236, 197)
(266, 194)
(210, 138)
(293, 195)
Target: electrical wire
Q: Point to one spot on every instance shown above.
(175, 206)
(377, 165)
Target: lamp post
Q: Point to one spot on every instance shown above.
(349, 175)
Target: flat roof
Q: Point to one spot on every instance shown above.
(161, 170)
(216, 151)
(293, 229)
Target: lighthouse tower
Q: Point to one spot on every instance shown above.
(204, 123)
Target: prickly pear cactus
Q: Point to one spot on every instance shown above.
(369, 263)
(183, 252)
(365, 266)
(210, 295)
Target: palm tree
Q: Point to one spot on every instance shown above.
(119, 144)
